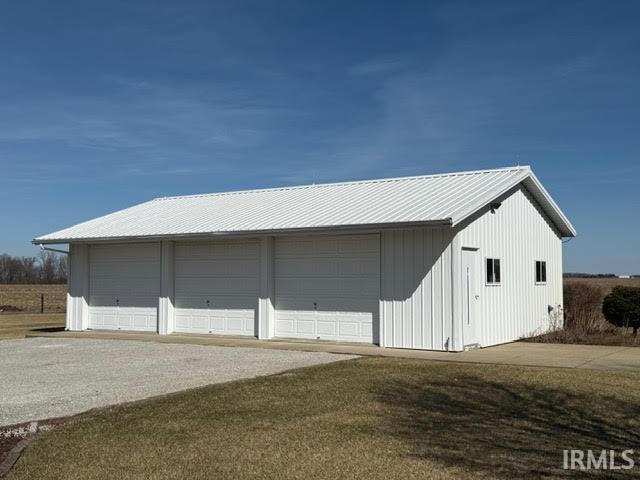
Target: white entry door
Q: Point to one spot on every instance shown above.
(124, 284)
(470, 296)
(328, 287)
(217, 286)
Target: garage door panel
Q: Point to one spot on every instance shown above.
(349, 329)
(123, 319)
(356, 286)
(326, 245)
(220, 249)
(326, 328)
(216, 287)
(124, 301)
(286, 287)
(296, 324)
(136, 252)
(140, 321)
(126, 269)
(231, 267)
(223, 322)
(102, 301)
(305, 327)
(327, 287)
(239, 322)
(124, 285)
(358, 268)
(360, 246)
(366, 329)
(320, 286)
(191, 320)
(292, 247)
(294, 267)
(285, 326)
(121, 284)
(235, 302)
(364, 305)
(344, 326)
(104, 316)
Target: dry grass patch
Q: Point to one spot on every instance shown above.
(26, 298)
(17, 325)
(606, 283)
(375, 418)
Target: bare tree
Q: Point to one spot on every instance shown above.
(62, 271)
(49, 268)
(48, 262)
(30, 269)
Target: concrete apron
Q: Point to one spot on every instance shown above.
(518, 353)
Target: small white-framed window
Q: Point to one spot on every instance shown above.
(541, 272)
(493, 271)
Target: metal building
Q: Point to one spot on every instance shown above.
(439, 262)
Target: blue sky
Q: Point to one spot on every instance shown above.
(107, 104)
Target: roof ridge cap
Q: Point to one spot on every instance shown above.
(345, 183)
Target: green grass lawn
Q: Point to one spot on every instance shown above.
(371, 418)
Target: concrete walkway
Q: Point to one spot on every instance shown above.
(518, 353)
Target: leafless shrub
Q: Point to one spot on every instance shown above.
(583, 308)
(584, 322)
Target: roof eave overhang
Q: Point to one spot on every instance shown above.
(543, 197)
(356, 228)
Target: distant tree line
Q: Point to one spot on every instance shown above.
(593, 275)
(49, 267)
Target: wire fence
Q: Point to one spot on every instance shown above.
(39, 298)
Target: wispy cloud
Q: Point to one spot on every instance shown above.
(140, 115)
(377, 66)
(475, 102)
(143, 128)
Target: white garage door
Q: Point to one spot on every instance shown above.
(124, 284)
(216, 287)
(328, 287)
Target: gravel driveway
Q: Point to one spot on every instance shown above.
(49, 377)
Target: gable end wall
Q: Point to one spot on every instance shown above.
(518, 233)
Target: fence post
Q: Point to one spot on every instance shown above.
(42, 303)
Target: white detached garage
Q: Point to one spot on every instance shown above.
(442, 262)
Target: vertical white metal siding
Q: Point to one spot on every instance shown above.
(416, 294)
(518, 233)
(78, 291)
(166, 306)
(266, 304)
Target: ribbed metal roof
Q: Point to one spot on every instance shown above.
(431, 199)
